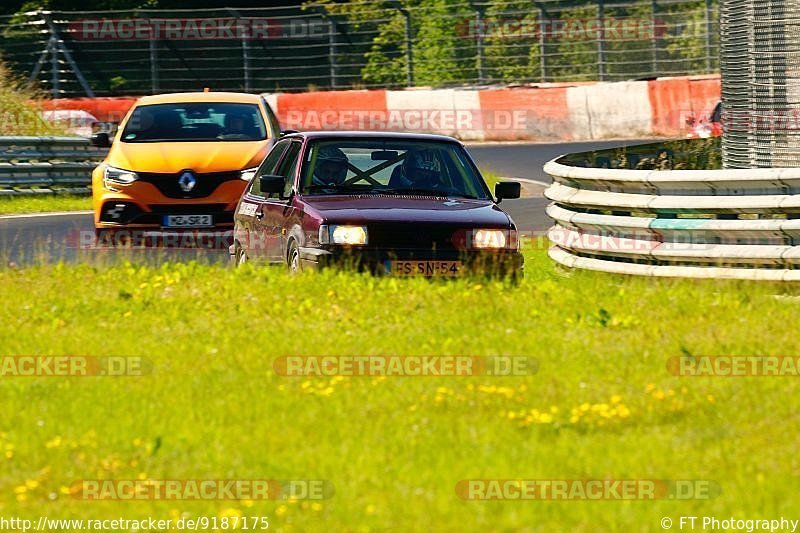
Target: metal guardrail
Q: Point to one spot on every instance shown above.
(738, 224)
(47, 165)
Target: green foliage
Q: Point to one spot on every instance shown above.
(688, 43)
(20, 114)
(116, 83)
(527, 41)
(440, 53)
(699, 154)
(386, 61)
(512, 56)
(577, 57)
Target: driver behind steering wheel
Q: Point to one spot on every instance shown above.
(421, 170)
(236, 124)
(330, 168)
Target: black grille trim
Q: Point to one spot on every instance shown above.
(207, 183)
(413, 236)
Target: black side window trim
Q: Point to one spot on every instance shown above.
(261, 168)
(292, 143)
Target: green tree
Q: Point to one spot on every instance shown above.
(440, 54)
(512, 41)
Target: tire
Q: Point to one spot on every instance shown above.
(293, 258)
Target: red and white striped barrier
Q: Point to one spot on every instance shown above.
(547, 112)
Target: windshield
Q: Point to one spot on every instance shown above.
(366, 166)
(195, 122)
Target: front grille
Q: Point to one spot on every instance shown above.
(206, 184)
(187, 209)
(412, 236)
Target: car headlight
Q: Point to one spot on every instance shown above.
(343, 234)
(248, 173)
(491, 239)
(114, 178)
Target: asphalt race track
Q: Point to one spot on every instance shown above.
(48, 238)
(524, 160)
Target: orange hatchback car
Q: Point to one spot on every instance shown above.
(180, 162)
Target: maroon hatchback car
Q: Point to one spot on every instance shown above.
(392, 203)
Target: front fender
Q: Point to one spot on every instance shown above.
(295, 233)
(97, 177)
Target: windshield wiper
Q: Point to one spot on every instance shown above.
(429, 192)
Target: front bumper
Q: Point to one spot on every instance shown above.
(143, 225)
(492, 263)
(142, 205)
(129, 215)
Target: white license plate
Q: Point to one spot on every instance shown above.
(188, 221)
(429, 269)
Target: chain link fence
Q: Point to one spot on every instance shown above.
(760, 63)
(358, 44)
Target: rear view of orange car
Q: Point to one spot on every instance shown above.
(179, 162)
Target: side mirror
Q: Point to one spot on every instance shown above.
(271, 184)
(101, 139)
(507, 190)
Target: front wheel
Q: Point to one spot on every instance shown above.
(293, 258)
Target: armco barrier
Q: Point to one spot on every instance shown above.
(740, 224)
(46, 165)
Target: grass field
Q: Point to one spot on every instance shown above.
(44, 204)
(601, 406)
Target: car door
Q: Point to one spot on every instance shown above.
(250, 230)
(277, 208)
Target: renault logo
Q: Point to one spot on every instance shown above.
(187, 181)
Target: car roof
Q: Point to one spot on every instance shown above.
(313, 135)
(180, 98)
